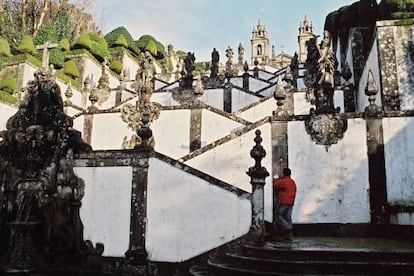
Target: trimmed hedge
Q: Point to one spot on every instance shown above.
(113, 36)
(8, 84)
(70, 69)
(64, 44)
(116, 66)
(7, 98)
(26, 46)
(121, 41)
(4, 47)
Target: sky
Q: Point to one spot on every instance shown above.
(200, 25)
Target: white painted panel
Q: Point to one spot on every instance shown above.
(230, 161)
(332, 185)
(188, 216)
(106, 207)
(259, 111)
(398, 146)
(109, 131)
(171, 133)
(215, 126)
(214, 98)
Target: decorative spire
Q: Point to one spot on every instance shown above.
(280, 97)
(371, 90)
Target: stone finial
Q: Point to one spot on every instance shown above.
(68, 95)
(246, 67)
(371, 90)
(258, 172)
(198, 89)
(93, 98)
(280, 97)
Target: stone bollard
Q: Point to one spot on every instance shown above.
(257, 175)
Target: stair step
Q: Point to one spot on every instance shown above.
(317, 265)
(329, 254)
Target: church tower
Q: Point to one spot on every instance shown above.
(306, 32)
(260, 44)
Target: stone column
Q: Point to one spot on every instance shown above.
(279, 124)
(257, 175)
(195, 128)
(376, 160)
(137, 253)
(388, 61)
(87, 128)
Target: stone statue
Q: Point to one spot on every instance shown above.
(241, 54)
(144, 79)
(215, 58)
(187, 72)
(327, 61)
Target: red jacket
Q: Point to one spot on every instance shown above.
(286, 190)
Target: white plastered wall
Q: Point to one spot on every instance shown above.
(106, 207)
(188, 216)
(332, 185)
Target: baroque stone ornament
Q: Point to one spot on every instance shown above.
(280, 97)
(40, 192)
(325, 125)
(326, 129)
(133, 116)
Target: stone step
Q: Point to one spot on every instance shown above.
(309, 265)
(274, 251)
(313, 256)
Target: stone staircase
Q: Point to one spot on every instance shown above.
(312, 256)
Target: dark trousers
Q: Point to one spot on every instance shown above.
(283, 219)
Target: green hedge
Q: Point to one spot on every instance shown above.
(8, 84)
(113, 36)
(26, 46)
(121, 41)
(4, 47)
(70, 69)
(7, 98)
(116, 66)
(64, 45)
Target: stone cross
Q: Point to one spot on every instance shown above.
(45, 57)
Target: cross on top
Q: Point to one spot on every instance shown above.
(45, 57)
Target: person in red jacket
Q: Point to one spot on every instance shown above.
(285, 188)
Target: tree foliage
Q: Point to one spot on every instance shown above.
(58, 18)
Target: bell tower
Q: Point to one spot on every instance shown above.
(306, 32)
(260, 44)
